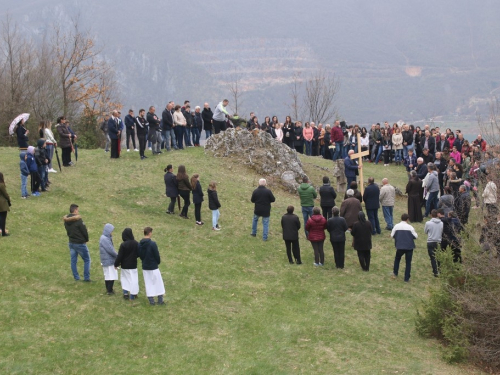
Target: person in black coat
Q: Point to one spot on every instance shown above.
(127, 260)
(371, 197)
(214, 205)
(442, 143)
(262, 197)
(298, 140)
(22, 135)
(207, 115)
(290, 224)
(289, 132)
(415, 193)
(328, 195)
(421, 169)
(171, 188)
(197, 197)
(357, 193)
(362, 243)
(337, 227)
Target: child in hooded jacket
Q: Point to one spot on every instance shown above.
(33, 168)
(127, 260)
(214, 205)
(42, 162)
(108, 257)
(25, 172)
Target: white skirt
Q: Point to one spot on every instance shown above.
(130, 280)
(110, 273)
(153, 283)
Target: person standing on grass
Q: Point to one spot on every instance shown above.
(150, 257)
(214, 204)
(197, 197)
(219, 116)
(490, 197)
(415, 193)
(50, 144)
(316, 226)
(108, 256)
(328, 195)
(371, 197)
(130, 129)
(404, 236)
(387, 200)
(114, 133)
(171, 186)
(25, 172)
(78, 238)
(290, 224)
(4, 206)
(434, 230)
(307, 194)
(127, 260)
(33, 168)
(184, 187)
(337, 227)
(362, 240)
(142, 132)
(351, 167)
(350, 208)
(432, 187)
(262, 198)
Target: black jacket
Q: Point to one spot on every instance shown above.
(262, 197)
(213, 200)
(440, 148)
(154, 121)
(149, 254)
(76, 229)
(171, 185)
(141, 125)
(198, 120)
(207, 115)
(197, 193)
(167, 119)
(188, 117)
(129, 121)
(407, 137)
(337, 227)
(22, 138)
(298, 133)
(362, 233)
(431, 144)
(421, 170)
(291, 225)
(328, 195)
(458, 144)
(371, 197)
(128, 252)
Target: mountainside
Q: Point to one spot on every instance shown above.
(394, 59)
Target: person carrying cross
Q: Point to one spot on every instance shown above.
(350, 168)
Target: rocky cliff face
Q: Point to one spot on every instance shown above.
(261, 152)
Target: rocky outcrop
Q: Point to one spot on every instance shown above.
(261, 152)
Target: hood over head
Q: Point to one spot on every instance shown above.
(40, 142)
(31, 150)
(108, 228)
(127, 235)
(22, 155)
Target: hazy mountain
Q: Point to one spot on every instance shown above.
(395, 59)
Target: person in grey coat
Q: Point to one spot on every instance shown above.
(432, 187)
(108, 256)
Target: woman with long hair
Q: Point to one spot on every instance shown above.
(214, 204)
(387, 146)
(184, 187)
(288, 132)
(397, 145)
(362, 240)
(197, 197)
(4, 206)
(266, 124)
(308, 135)
(50, 144)
(316, 226)
(22, 135)
(298, 138)
(171, 188)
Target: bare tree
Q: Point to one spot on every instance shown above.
(296, 95)
(236, 93)
(490, 130)
(321, 92)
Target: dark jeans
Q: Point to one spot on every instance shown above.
(364, 257)
(114, 149)
(338, 253)
(432, 202)
(293, 247)
(327, 211)
(373, 217)
(187, 136)
(197, 211)
(455, 249)
(3, 221)
(195, 135)
(408, 256)
(185, 194)
(171, 206)
(35, 181)
(431, 249)
(130, 134)
(179, 135)
(218, 126)
(66, 156)
(142, 143)
(319, 254)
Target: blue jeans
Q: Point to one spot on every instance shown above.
(406, 149)
(388, 216)
(398, 155)
(432, 202)
(378, 153)
(43, 176)
(373, 217)
(24, 184)
(50, 153)
(338, 150)
(208, 134)
(169, 138)
(215, 218)
(306, 214)
(408, 256)
(195, 134)
(82, 249)
(187, 136)
(308, 147)
(265, 226)
(179, 134)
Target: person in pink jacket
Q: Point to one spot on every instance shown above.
(308, 134)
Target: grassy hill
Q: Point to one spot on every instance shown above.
(235, 305)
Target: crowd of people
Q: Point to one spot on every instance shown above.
(444, 171)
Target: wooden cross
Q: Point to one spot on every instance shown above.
(359, 156)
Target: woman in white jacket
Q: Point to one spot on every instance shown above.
(50, 144)
(397, 145)
(490, 197)
(279, 132)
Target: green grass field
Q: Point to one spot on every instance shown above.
(235, 305)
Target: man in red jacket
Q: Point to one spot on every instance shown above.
(337, 137)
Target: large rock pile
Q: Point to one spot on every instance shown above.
(261, 152)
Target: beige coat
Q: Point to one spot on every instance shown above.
(387, 195)
(490, 193)
(397, 141)
(179, 118)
